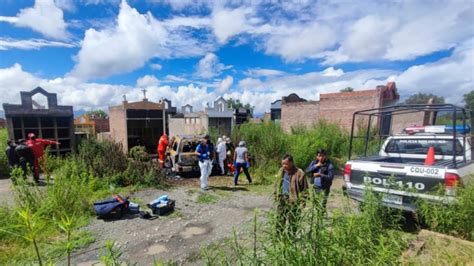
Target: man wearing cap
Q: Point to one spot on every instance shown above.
(321, 172)
(205, 152)
(37, 145)
(241, 161)
(161, 149)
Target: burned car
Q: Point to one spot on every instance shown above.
(181, 156)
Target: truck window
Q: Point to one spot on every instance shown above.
(420, 146)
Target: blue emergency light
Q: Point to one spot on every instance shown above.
(459, 129)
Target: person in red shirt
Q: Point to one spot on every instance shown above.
(161, 149)
(37, 145)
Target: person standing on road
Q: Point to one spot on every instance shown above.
(161, 149)
(221, 154)
(204, 152)
(241, 161)
(12, 157)
(290, 194)
(37, 145)
(321, 172)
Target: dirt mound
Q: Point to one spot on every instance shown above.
(431, 248)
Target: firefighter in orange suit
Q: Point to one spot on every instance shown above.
(162, 144)
(37, 145)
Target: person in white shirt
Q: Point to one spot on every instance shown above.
(222, 153)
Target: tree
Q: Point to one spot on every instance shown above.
(347, 89)
(99, 113)
(235, 104)
(469, 100)
(423, 98)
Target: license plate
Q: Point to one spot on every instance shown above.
(425, 171)
(395, 199)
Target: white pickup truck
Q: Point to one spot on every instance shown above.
(400, 174)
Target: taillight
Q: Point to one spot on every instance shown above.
(347, 172)
(450, 181)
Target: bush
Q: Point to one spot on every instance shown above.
(138, 153)
(267, 143)
(454, 218)
(104, 158)
(4, 170)
(346, 238)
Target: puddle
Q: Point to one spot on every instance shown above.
(192, 231)
(156, 249)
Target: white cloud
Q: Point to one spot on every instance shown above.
(31, 44)
(209, 66)
(147, 81)
(134, 40)
(264, 72)
(67, 5)
(225, 84)
(44, 17)
(227, 23)
(156, 66)
(331, 72)
(297, 42)
(450, 77)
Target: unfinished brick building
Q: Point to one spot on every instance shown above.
(340, 106)
(39, 113)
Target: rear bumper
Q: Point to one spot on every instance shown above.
(409, 200)
(186, 168)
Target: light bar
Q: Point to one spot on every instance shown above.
(438, 129)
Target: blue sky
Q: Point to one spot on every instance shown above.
(91, 52)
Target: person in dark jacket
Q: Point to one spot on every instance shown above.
(12, 157)
(321, 173)
(25, 155)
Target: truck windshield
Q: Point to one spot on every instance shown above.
(420, 146)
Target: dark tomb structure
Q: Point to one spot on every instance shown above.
(39, 113)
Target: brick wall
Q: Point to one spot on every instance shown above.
(101, 125)
(399, 122)
(118, 126)
(332, 107)
(299, 114)
(339, 108)
(179, 127)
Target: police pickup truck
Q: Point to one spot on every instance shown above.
(413, 165)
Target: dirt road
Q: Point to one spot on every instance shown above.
(197, 222)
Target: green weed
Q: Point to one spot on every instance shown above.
(346, 237)
(4, 169)
(454, 218)
(207, 198)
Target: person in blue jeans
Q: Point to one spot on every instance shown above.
(241, 161)
(321, 173)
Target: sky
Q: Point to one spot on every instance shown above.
(92, 52)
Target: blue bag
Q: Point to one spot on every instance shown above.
(112, 208)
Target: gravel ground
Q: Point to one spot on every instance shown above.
(181, 235)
